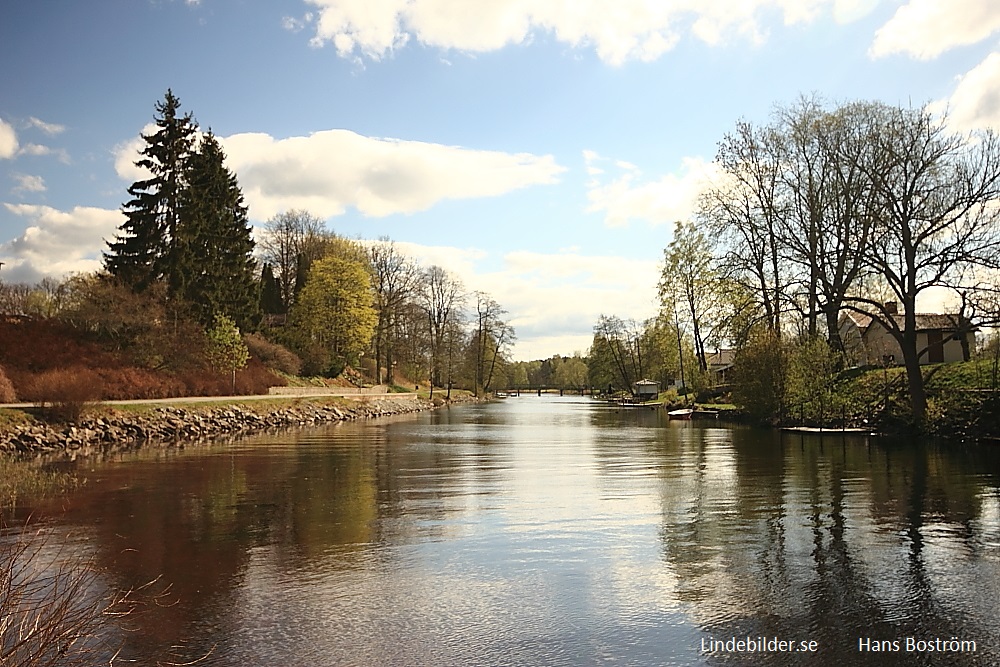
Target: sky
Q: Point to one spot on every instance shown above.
(540, 150)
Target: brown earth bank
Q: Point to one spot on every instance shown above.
(44, 359)
(113, 428)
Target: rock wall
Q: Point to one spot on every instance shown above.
(174, 425)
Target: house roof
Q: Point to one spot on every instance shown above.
(721, 357)
(924, 321)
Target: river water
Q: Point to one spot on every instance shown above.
(552, 531)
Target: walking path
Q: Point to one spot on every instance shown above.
(285, 393)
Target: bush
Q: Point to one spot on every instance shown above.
(759, 377)
(131, 383)
(273, 355)
(65, 394)
(7, 393)
(57, 609)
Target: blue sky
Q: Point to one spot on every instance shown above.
(540, 150)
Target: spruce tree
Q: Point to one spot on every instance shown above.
(214, 267)
(270, 292)
(145, 250)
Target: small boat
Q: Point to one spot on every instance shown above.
(683, 413)
(501, 394)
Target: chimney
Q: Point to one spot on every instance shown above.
(890, 307)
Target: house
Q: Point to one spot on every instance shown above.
(720, 366)
(646, 390)
(939, 339)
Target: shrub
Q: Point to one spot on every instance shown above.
(130, 383)
(759, 377)
(7, 393)
(57, 609)
(273, 355)
(256, 379)
(64, 394)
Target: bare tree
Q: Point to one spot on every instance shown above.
(442, 298)
(745, 210)
(622, 341)
(689, 279)
(285, 240)
(829, 219)
(491, 338)
(395, 279)
(57, 611)
(937, 196)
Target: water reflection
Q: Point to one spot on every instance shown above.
(551, 531)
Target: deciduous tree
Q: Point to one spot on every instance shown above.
(333, 320)
(937, 196)
(224, 347)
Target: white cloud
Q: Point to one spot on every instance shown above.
(8, 141)
(847, 11)
(28, 183)
(975, 103)
(127, 152)
(332, 170)
(673, 197)
(292, 24)
(925, 29)
(327, 172)
(56, 242)
(50, 129)
(553, 299)
(618, 30)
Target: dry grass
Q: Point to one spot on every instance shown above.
(22, 479)
(56, 609)
(64, 394)
(7, 394)
(53, 609)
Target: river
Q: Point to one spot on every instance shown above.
(551, 531)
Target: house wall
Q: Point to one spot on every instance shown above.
(854, 347)
(877, 343)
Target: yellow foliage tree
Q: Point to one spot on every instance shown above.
(333, 319)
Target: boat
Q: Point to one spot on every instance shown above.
(682, 413)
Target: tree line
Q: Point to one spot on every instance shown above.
(825, 209)
(185, 281)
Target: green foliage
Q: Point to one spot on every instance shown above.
(571, 373)
(333, 319)
(814, 393)
(187, 225)
(145, 251)
(270, 293)
(224, 347)
(689, 283)
(760, 371)
(213, 265)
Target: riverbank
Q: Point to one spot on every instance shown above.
(123, 426)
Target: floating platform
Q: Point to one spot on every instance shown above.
(820, 429)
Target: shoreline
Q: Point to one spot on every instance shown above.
(111, 427)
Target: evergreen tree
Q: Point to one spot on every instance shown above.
(213, 268)
(145, 250)
(270, 292)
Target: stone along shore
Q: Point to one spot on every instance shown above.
(174, 424)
